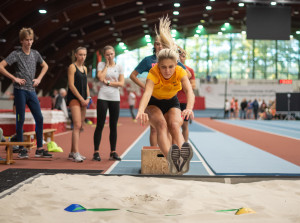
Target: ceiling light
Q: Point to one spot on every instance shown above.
(175, 13)
(273, 3)
(143, 19)
(211, 0)
(73, 35)
(107, 21)
(198, 31)
(65, 28)
(176, 5)
(118, 39)
(146, 31)
(231, 18)
(149, 44)
(298, 32)
(205, 15)
(142, 11)
(196, 35)
(208, 7)
(291, 37)
(2, 40)
(220, 33)
(101, 14)
(139, 3)
(160, 4)
(147, 36)
(121, 43)
(111, 28)
(202, 21)
(42, 11)
(145, 25)
(95, 4)
(80, 41)
(227, 24)
(175, 20)
(200, 27)
(296, 12)
(244, 32)
(241, 4)
(115, 34)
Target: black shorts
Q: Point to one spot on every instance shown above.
(165, 104)
(182, 107)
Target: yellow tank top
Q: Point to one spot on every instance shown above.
(166, 89)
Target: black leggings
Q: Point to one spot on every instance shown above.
(114, 110)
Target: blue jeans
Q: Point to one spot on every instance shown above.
(29, 98)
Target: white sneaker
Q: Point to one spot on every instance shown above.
(82, 157)
(77, 158)
(71, 156)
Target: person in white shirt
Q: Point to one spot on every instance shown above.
(111, 76)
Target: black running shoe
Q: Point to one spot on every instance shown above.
(186, 154)
(96, 157)
(174, 159)
(41, 153)
(23, 154)
(114, 156)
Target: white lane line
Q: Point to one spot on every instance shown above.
(126, 151)
(210, 172)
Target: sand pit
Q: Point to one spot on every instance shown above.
(149, 199)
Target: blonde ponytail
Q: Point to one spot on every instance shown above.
(166, 39)
(165, 34)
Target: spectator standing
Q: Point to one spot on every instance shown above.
(78, 97)
(111, 76)
(255, 107)
(232, 106)
(25, 60)
(236, 108)
(249, 109)
(243, 109)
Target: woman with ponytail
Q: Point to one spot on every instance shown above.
(160, 106)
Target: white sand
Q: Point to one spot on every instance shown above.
(150, 200)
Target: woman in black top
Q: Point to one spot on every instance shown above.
(78, 98)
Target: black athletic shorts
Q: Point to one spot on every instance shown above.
(165, 104)
(182, 107)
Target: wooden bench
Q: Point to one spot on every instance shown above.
(153, 161)
(9, 151)
(46, 134)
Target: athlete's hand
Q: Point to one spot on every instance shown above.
(20, 81)
(143, 117)
(187, 113)
(36, 82)
(85, 103)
